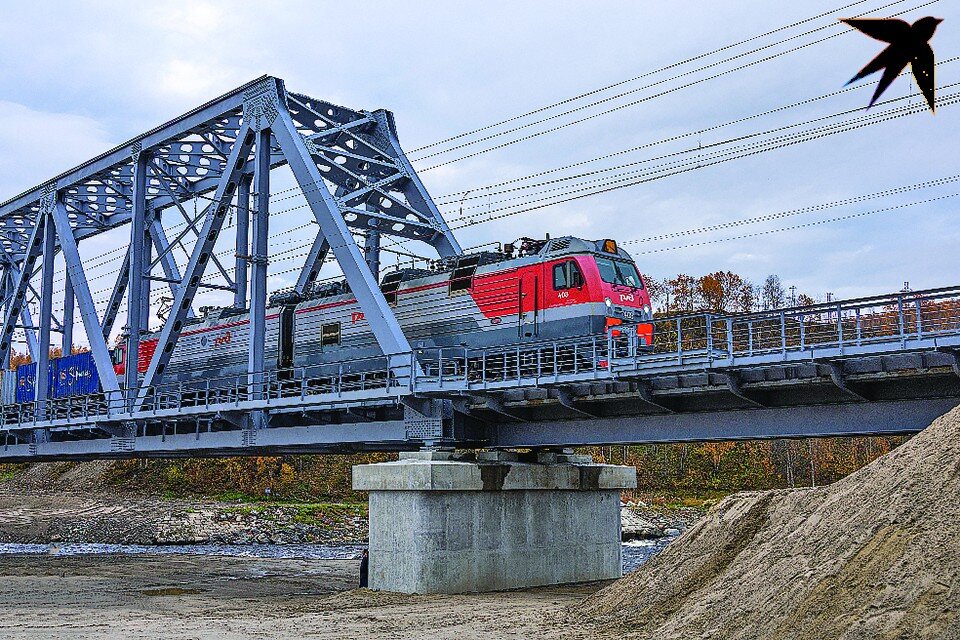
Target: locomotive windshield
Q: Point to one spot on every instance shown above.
(619, 272)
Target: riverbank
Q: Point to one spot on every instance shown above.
(29, 515)
(182, 596)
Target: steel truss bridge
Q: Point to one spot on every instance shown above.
(879, 365)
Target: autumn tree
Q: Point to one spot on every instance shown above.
(725, 291)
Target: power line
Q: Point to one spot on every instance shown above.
(633, 79)
(646, 98)
(699, 150)
(670, 169)
(486, 188)
(795, 212)
(805, 225)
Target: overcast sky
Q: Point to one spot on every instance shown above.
(78, 78)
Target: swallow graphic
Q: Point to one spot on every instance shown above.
(908, 45)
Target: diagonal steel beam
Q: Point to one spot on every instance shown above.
(311, 266)
(444, 242)
(198, 262)
(116, 297)
(11, 274)
(170, 268)
(364, 286)
(191, 222)
(18, 299)
(190, 226)
(88, 310)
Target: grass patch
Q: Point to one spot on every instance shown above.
(316, 513)
(677, 500)
(10, 471)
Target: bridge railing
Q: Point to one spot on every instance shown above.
(701, 340)
(543, 361)
(330, 383)
(900, 317)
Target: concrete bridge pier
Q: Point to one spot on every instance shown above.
(439, 524)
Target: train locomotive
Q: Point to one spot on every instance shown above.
(529, 292)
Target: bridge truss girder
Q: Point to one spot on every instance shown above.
(348, 164)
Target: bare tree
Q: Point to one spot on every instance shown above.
(772, 293)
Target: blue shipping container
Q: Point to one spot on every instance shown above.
(27, 381)
(75, 375)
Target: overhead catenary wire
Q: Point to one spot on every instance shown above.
(699, 151)
(938, 182)
(676, 168)
(647, 74)
(804, 225)
(484, 191)
(293, 190)
(650, 97)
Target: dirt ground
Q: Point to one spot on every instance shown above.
(194, 597)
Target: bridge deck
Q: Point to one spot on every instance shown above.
(887, 364)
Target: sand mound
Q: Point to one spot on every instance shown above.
(876, 555)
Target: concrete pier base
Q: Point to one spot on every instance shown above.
(440, 525)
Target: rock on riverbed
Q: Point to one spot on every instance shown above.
(640, 522)
(32, 517)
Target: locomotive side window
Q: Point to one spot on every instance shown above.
(567, 275)
(330, 334)
(118, 355)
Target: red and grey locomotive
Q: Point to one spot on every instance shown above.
(547, 289)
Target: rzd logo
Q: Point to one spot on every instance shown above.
(356, 317)
(224, 339)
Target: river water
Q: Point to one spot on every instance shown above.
(634, 552)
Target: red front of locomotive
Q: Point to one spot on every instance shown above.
(624, 293)
(606, 276)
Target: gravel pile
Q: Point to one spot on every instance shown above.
(876, 555)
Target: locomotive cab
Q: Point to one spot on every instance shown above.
(625, 295)
(598, 282)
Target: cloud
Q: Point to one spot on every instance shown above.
(36, 145)
(105, 71)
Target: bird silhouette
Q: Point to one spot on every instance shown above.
(909, 44)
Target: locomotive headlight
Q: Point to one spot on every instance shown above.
(646, 309)
(608, 302)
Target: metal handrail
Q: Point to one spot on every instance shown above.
(707, 339)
